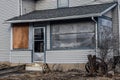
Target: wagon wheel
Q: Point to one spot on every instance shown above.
(98, 66)
(102, 66)
(88, 67)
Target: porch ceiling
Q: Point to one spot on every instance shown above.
(64, 13)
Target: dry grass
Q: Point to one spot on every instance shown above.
(70, 75)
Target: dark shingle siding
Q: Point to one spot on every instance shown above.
(64, 12)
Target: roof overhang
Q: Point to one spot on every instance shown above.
(64, 18)
(54, 19)
(108, 9)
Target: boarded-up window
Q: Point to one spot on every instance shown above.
(20, 36)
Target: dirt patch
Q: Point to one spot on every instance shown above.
(68, 75)
(4, 65)
(72, 74)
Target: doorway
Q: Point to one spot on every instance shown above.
(38, 44)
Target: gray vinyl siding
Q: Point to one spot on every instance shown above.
(119, 21)
(46, 4)
(87, 2)
(52, 4)
(79, 2)
(116, 26)
(119, 25)
(8, 9)
(28, 6)
(108, 14)
(21, 57)
(68, 56)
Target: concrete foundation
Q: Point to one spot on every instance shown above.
(67, 67)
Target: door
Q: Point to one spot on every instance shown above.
(39, 44)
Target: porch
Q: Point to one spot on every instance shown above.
(58, 38)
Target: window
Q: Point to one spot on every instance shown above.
(77, 35)
(39, 40)
(63, 3)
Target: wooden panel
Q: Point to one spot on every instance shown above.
(20, 36)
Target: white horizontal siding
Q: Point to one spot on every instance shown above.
(87, 2)
(79, 2)
(119, 21)
(4, 55)
(108, 14)
(8, 9)
(21, 56)
(28, 6)
(46, 4)
(68, 56)
(52, 4)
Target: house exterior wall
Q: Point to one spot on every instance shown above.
(11, 8)
(21, 56)
(88, 2)
(116, 27)
(108, 14)
(46, 4)
(68, 56)
(52, 4)
(119, 20)
(27, 6)
(8, 9)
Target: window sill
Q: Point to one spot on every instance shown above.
(62, 7)
(87, 49)
(21, 50)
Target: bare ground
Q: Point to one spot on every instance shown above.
(53, 75)
(69, 75)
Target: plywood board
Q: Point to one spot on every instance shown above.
(20, 36)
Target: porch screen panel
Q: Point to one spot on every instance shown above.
(20, 36)
(104, 32)
(74, 35)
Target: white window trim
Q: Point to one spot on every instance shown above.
(11, 38)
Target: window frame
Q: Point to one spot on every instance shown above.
(12, 36)
(44, 46)
(58, 6)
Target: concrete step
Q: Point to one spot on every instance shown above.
(34, 67)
